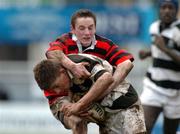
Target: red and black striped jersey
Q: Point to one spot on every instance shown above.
(103, 48)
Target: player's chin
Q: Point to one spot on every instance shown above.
(168, 19)
(86, 43)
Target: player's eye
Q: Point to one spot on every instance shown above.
(90, 28)
(81, 28)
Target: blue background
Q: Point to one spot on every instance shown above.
(24, 25)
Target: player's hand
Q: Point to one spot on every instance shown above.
(143, 54)
(160, 43)
(80, 71)
(71, 109)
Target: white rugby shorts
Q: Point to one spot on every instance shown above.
(170, 104)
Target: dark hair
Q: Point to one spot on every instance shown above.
(46, 72)
(82, 13)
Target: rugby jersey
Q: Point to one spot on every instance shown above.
(164, 73)
(100, 47)
(120, 98)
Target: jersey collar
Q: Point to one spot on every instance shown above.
(92, 46)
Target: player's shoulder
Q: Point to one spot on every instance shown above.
(103, 39)
(176, 23)
(154, 27)
(64, 37)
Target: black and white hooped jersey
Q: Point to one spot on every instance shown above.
(121, 97)
(164, 73)
(95, 67)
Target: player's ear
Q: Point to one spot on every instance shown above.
(62, 70)
(72, 29)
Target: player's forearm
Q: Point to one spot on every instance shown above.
(64, 60)
(56, 106)
(122, 71)
(99, 87)
(143, 54)
(160, 43)
(173, 55)
(120, 74)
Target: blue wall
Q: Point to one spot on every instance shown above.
(24, 25)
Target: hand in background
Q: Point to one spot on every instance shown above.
(143, 54)
(160, 43)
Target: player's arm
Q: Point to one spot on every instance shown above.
(159, 42)
(119, 75)
(78, 69)
(77, 124)
(97, 89)
(122, 71)
(56, 105)
(143, 54)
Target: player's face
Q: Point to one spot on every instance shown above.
(84, 30)
(167, 13)
(62, 82)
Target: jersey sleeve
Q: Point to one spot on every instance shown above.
(97, 71)
(176, 36)
(59, 44)
(117, 56)
(56, 45)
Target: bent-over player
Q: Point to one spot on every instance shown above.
(124, 112)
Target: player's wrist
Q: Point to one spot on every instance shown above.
(70, 65)
(81, 105)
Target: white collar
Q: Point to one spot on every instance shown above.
(80, 46)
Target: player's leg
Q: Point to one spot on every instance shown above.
(78, 125)
(124, 121)
(153, 102)
(172, 113)
(151, 114)
(170, 125)
(134, 122)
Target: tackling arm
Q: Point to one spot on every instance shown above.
(98, 88)
(91, 96)
(119, 75)
(78, 69)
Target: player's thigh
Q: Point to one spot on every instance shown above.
(151, 97)
(172, 106)
(151, 114)
(134, 121)
(127, 121)
(171, 125)
(73, 122)
(172, 113)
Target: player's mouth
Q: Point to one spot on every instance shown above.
(87, 39)
(168, 18)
